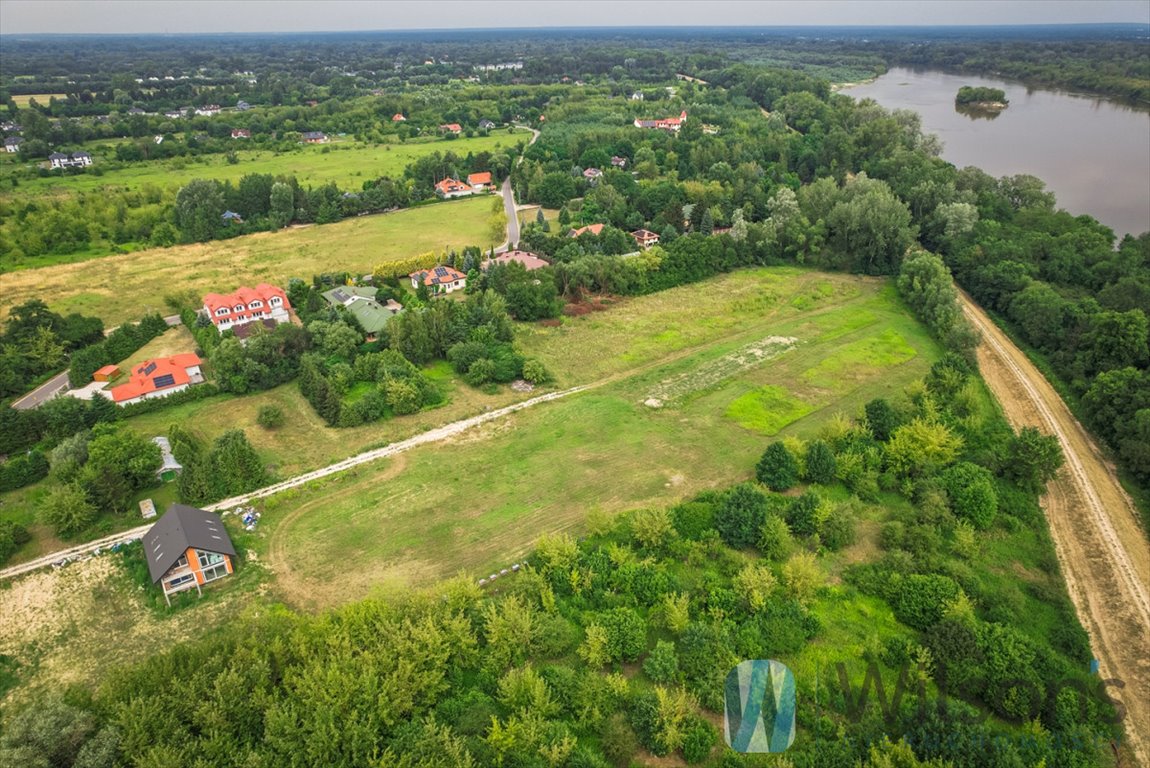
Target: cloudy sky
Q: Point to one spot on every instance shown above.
(182, 16)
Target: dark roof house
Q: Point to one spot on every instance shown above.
(187, 548)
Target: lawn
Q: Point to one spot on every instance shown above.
(124, 287)
(346, 163)
(479, 503)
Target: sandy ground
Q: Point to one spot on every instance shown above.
(1103, 552)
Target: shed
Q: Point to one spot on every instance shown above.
(107, 373)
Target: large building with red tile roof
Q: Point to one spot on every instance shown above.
(246, 305)
(159, 378)
(449, 188)
(439, 279)
(480, 181)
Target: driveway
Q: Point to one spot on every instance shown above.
(59, 382)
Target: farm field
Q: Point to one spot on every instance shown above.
(346, 163)
(411, 521)
(42, 99)
(124, 287)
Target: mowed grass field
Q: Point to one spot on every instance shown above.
(124, 287)
(346, 163)
(480, 502)
(41, 98)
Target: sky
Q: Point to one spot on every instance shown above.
(190, 16)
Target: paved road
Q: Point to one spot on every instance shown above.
(431, 436)
(509, 208)
(1102, 550)
(59, 382)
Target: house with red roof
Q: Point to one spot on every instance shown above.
(645, 238)
(241, 133)
(455, 128)
(530, 261)
(665, 124)
(398, 118)
(159, 378)
(480, 181)
(439, 279)
(245, 305)
(450, 188)
(594, 229)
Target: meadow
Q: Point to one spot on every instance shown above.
(345, 163)
(42, 99)
(126, 286)
(480, 502)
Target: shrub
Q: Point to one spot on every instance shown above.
(838, 530)
(698, 741)
(972, 494)
(693, 518)
(777, 469)
(270, 417)
(535, 372)
(740, 517)
(67, 509)
(921, 599)
(662, 665)
(805, 514)
(12, 537)
(820, 463)
(775, 540)
(23, 470)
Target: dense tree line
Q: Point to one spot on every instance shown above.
(37, 341)
(118, 345)
(228, 468)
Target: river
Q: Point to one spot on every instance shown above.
(1093, 154)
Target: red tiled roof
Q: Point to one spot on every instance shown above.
(594, 229)
(438, 275)
(245, 296)
(448, 186)
(453, 127)
(143, 377)
(108, 370)
(398, 117)
(526, 258)
(479, 178)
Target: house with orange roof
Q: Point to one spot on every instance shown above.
(645, 238)
(160, 377)
(246, 305)
(398, 118)
(530, 261)
(439, 279)
(594, 229)
(455, 128)
(450, 188)
(480, 181)
(666, 124)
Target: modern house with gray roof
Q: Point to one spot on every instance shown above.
(187, 548)
(361, 303)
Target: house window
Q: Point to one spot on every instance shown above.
(255, 304)
(183, 561)
(221, 311)
(208, 559)
(215, 572)
(276, 301)
(173, 583)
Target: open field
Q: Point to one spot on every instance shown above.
(124, 287)
(542, 470)
(346, 163)
(41, 98)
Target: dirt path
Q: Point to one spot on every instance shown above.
(1102, 551)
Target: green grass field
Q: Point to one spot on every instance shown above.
(42, 99)
(124, 287)
(347, 163)
(480, 502)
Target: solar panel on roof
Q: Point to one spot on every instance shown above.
(166, 380)
(441, 271)
(149, 368)
(339, 295)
